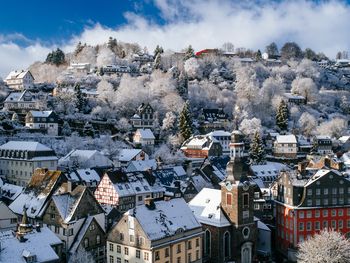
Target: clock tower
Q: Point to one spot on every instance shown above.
(237, 197)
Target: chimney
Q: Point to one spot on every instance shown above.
(149, 203)
(69, 186)
(302, 167)
(38, 228)
(327, 162)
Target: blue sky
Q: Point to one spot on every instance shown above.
(31, 29)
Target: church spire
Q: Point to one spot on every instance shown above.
(235, 167)
(24, 226)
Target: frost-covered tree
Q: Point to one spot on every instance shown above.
(106, 93)
(282, 115)
(305, 87)
(291, 50)
(310, 54)
(272, 49)
(56, 57)
(185, 122)
(257, 151)
(258, 56)
(123, 125)
(88, 130)
(334, 128)
(307, 123)
(157, 64)
(228, 47)
(193, 68)
(66, 130)
(328, 246)
(250, 126)
(78, 48)
(158, 50)
(169, 121)
(14, 117)
(182, 85)
(105, 57)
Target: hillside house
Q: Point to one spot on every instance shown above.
(285, 146)
(144, 137)
(201, 147)
(25, 101)
(144, 117)
(20, 80)
(126, 156)
(44, 121)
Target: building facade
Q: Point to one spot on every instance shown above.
(144, 117)
(306, 205)
(285, 146)
(20, 80)
(164, 231)
(19, 159)
(45, 121)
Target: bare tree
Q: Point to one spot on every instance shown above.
(81, 256)
(327, 246)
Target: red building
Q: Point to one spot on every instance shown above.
(306, 205)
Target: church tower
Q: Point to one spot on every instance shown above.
(237, 197)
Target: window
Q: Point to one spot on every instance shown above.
(317, 225)
(341, 190)
(301, 226)
(92, 227)
(53, 216)
(207, 242)
(309, 192)
(340, 224)
(98, 239)
(318, 191)
(145, 256)
(334, 201)
(325, 191)
(132, 239)
(70, 232)
(348, 223)
(57, 230)
(325, 213)
(138, 253)
(325, 224)
(119, 249)
(157, 255)
(301, 214)
(309, 202)
(189, 245)
(111, 247)
(86, 242)
(308, 214)
(334, 224)
(197, 254)
(178, 260)
(111, 259)
(126, 261)
(126, 251)
(334, 190)
(245, 200)
(325, 201)
(167, 252)
(318, 202)
(178, 250)
(119, 260)
(121, 236)
(308, 226)
(317, 213)
(189, 256)
(197, 242)
(334, 212)
(228, 198)
(340, 212)
(139, 198)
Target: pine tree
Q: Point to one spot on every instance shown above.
(257, 151)
(182, 85)
(185, 123)
(80, 102)
(189, 53)
(157, 64)
(56, 57)
(282, 116)
(78, 48)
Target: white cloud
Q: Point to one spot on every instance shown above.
(323, 26)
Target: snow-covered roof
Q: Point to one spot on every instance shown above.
(323, 137)
(5, 212)
(85, 159)
(219, 133)
(286, 139)
(24, 146)
(68, 202)
(127, 155)
(294, 96)
(86, 175)
(206, 208)
(196, 141)
(11, 191)
(344, 139)
(179, 170)
(268, 169)
(142, 165)
(41, 114)
(145, 134)
(262, 226)
(37, 243)
(166, 219)
(15, 74)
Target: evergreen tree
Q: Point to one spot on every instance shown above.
(56, 57)
(112, 44)
(80, 102)
(182, 85)
(189, 53)
(272, 50)
(157, 64)
(282, 116)
(258, 56)
(185, 123)
(257, 151)
(66, 130)
(158, 50)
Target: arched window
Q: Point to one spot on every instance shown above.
(98, 239)
(86, 242)
(207, 242)
(227, 247)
